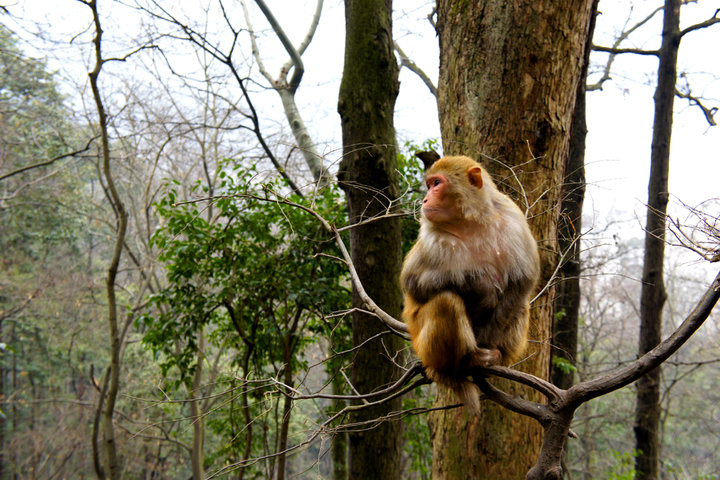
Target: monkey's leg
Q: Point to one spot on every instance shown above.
(444, 340)
(445, 336)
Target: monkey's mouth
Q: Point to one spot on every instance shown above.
(430, 210)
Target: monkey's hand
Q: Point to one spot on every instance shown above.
(484, 357)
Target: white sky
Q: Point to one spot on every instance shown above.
(619, 117)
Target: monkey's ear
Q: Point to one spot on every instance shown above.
(475, 176)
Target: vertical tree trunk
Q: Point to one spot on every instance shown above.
(111, 457)
(195, 396)
(508, 77)
(652, 296)
(567, 295)
(367, 174)
(339, 448)
(289, 342)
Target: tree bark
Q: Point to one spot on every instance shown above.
(508, 78)
(652, 296)
(367, 174)
(567, 295)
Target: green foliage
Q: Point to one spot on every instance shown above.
(246, 270)
(412, 184)
(33, 116)
(564, 365)
(258, 274)
(36, 215)
(625, 468)
(418, 444)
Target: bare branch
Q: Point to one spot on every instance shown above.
(5, 314)
(286, 89)
(700, 235)
(125, 57)
(50, 161)
(226, 59)
(415, 369)
(710, 21)
(708, 112)
(412, 66)
(295, 59)
(551, 391)
(619, 378)
(614, 50)
(514, 403)
(619, 51)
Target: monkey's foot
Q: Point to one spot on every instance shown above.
(484, 357)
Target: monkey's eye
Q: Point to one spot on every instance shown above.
(434, 182)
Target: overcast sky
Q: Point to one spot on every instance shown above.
(619, 117)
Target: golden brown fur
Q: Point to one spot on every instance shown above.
(469, 277)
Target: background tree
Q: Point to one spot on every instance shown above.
(111, 381)
(44, 269)
(287, 88)
(567, 294)
(648, 408)
(368, 176)
(653, 295)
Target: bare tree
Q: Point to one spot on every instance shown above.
(286, 88)
(653, 295)
(112, 375)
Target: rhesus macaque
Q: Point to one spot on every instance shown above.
(469, 278)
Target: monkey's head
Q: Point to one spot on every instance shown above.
(459, 191)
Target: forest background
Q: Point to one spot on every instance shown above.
(203, 391)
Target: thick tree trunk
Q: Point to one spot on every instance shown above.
(652, 297)
(508, 77)
(567, 296)
(367, 174)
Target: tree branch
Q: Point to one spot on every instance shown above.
(412, 66)
(295, 59)
(613, 53)
(618, 51)
(708, 112)
(710, 21)
(49, 162)
(585, 391)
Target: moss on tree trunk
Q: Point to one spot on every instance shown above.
(367, 174)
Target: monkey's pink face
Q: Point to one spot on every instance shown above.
(438, 206)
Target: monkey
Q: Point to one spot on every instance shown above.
(468, 279)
